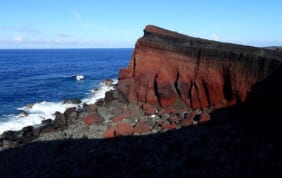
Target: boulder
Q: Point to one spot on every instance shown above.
(68, 111)
(108, 82)
(109, 96)
(27, 134)
(193, 114)
(90, 108)
(187, 122)
(119, 118)
(46, 121)
(93, 118)
(142, 127)
(148, 109)
(44, 129)
(22, 114)
(9, 135)
(110, 132)
(124, 129)
(169, 126)
(72, 101)
(60, 121)
(71, 114)
(204, 117)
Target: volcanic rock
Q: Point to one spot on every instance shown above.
(108, 82)
(124, 129)
(72, 101)
(148, 109)
(171, 69)
(93, 118)
(142, 127)
(110, 133)
(169, 126)
(204, 117)
(60, 121)
(22, 114)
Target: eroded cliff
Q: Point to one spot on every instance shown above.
(171, 69)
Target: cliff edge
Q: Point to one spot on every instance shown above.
(168, 69)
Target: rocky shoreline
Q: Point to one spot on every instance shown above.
(184, 107)
(115, 139)
(110, 117)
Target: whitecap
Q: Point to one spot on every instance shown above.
(99, 92)
(79, 77)
(37, 112)
(75, 77)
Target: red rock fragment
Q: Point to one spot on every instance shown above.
(169, 126)
(119, 118)
(187, 122)
(204, 117)
(191, 115)
(148, 109)
(110, 133)
(142, 127)
(93, 118)
(127, 114)
(124, 129)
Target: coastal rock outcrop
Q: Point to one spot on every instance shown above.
(169, 69)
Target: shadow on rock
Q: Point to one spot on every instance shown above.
(261, 114)
(217, 149)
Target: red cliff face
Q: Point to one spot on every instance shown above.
(171, 69)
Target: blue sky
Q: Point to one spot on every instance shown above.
(113, 23)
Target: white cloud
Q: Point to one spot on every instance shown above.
(18, 39)
(29, 30)
(76, 15)
(63, 35)
(215, 37)
(23, 29)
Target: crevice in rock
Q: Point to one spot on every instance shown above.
(156, 88)
(193, 84)
(176, 85)
(227, 85)
(134, 66)
(197, 91)
(206, 92)
(190, 94)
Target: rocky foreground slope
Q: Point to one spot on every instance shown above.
(185, 107)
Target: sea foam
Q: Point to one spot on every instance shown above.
(40, 111)
(79, 77)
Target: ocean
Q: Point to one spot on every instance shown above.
(45, 78)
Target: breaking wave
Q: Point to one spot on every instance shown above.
(34, 114)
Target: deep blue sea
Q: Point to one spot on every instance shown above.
(48, 76)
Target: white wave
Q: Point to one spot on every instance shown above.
(35, 114)
(76, 77)
(79, 77)
(99, 93)
(46, 110)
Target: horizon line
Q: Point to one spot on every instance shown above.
(64, 48)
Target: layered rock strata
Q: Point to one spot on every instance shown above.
(170, 69)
